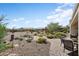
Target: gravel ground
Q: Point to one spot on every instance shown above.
(29, 49)
(23, 48)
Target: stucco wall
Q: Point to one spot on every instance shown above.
(78, 30)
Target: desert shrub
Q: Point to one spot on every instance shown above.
(35, 33)
(29, 40)
(50, 36)
(4, 47)
(40, 35)
(20, 39)
(4, 42)
(44, 34)
(60, 35)
(17, 38)
(9, 46)
(41, 40)
(26, 36)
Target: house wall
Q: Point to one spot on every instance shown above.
(74, 25)
(74, 28)
(78, 30)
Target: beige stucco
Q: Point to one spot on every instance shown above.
(74, 24)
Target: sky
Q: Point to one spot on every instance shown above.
(36, 15)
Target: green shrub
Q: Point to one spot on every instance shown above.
(4, 47)
(41, 40)
(53, 27)
(50, 36)
(59, 34)
(9, 46)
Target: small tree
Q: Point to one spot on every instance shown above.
(57, 30)
(54, 27)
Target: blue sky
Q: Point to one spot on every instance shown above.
(36, 15)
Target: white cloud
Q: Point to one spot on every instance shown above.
(18, 19)
(14, 20)
(27, 21)
(65, 5)
(61, 15)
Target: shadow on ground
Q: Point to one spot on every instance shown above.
(75, 53)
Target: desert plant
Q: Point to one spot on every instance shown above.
(40, 35)
(17, 38)
(29, 40)
(26, 36)
(60, 35)
(9, 46)
(4, 42)
(50, 36)
(4, 47)
(20, 39)
(53, 27)
(35, 33)
(41, 40)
